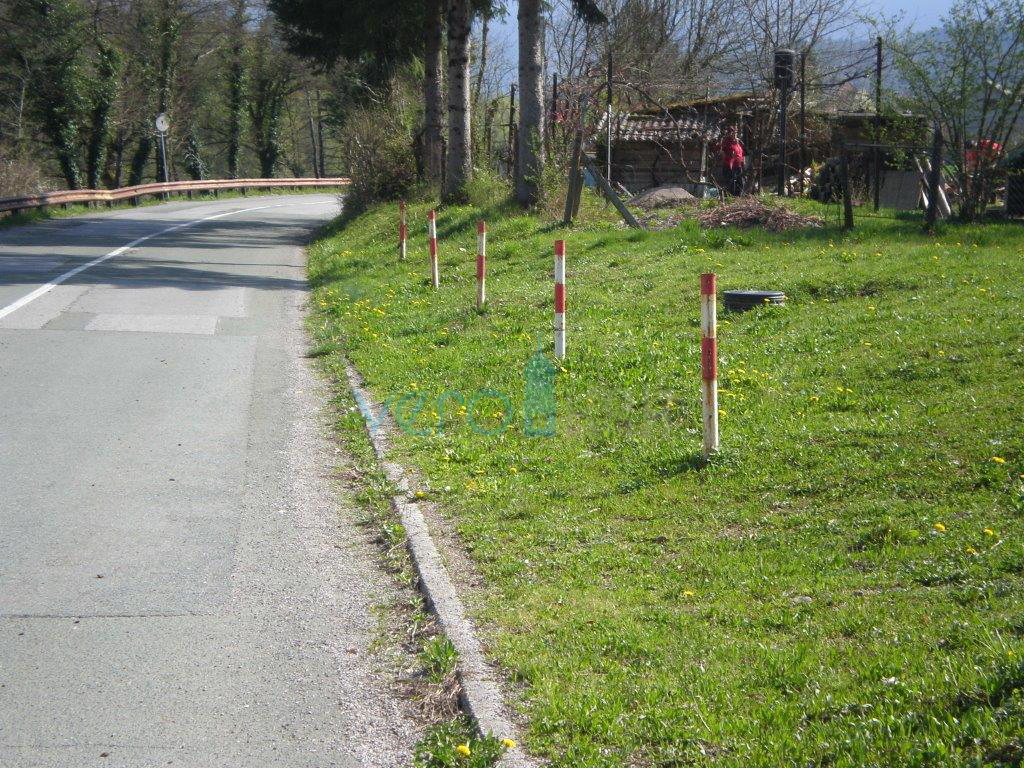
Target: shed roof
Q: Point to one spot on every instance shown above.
(637, 127)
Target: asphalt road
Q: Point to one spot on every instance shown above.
(180, 582)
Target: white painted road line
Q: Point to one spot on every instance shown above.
(47, 287)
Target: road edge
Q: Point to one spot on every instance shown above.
(481, 695)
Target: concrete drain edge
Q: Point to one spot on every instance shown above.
(481, 693)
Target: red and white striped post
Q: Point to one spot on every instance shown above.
(481, 265)
(435, 276)
(709, 361)
(402, 231)
(560, 299)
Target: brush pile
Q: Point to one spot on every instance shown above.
(747, 212)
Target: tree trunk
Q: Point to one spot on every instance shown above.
(107, 85)
(482, 64)
(433, 100)
(459, 167)
(531, 103)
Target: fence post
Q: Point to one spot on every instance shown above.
(934, 180)
(844, 182)
(709, 362)
(435, 276)
(402, 232)
(481, 265)
(560, 299)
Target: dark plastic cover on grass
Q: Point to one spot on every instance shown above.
(738, 301)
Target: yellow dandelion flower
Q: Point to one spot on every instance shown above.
(508, 743)
(998, 459)
(971, 551)
(688, 593)
(989, 532)
(940, 528)
(420, 494)
(464, 750)
(513, 470)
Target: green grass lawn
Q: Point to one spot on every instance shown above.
(842, 586)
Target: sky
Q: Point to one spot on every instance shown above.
(922, 14)
(925, 13)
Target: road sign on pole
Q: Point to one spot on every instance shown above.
(162, 124)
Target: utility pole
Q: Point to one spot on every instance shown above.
(803, 118)
(704, 135)
(878, 121)
(608, 119)
(320, 136)
(312, 136)
(784, 65)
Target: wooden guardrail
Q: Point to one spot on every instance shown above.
(132, 194)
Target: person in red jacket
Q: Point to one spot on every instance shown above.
(732, 163)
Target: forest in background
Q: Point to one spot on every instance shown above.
(409, 95)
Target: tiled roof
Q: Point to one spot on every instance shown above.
(628, 126)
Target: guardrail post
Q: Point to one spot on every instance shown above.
(402, 232)
(560, 299)
(481, 265)
(435, 274)
(709, 361)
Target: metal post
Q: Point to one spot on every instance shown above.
(877, 155)
(709, 362)
(163, 160)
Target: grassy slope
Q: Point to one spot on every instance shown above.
(794, 602)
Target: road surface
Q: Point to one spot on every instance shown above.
(180, 582)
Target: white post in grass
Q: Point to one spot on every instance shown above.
(560, 299)
(402, 232)
(481, 265)
(435, 276)
(709, 362)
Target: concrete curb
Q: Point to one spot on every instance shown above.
(481, 693)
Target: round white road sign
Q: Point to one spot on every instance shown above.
(162, 123)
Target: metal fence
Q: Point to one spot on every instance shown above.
(133, 194)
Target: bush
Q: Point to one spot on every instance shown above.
(487, 188)
(19, 177)
(377, 151)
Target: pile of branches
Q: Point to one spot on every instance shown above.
(747, 212)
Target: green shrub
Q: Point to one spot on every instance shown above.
(377, 151)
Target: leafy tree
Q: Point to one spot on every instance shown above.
(968, 77)
(52, 34)
(104, 94)
(236, 86)
(270, 84)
